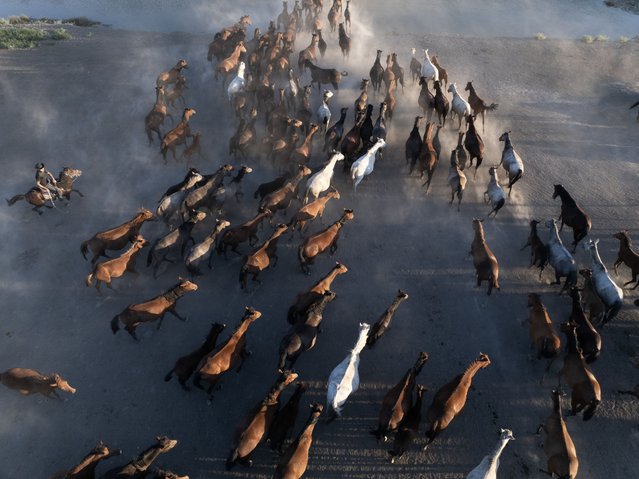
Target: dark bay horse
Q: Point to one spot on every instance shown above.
(573, 215)
(139, 467)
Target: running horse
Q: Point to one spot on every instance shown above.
(38, 198)
(140, 466)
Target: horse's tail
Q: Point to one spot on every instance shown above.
(149, 257)
(84, 248)
(232, 459)
(589, 412)
(89, 279)
(115, 326)
(492, 107)
(11, 201)
(633, 105)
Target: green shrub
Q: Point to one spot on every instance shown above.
(81, 22)
(624, 39)
(601, 38)
(18, 20)
(60, 34)
(14, 38)
(587, 39)
(540, 36)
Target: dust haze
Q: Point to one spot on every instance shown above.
(82, 104)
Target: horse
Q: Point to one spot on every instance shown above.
(153, 309)
(512, 162)
(605, 287)
(559, 258)
(86, 468)
(459, 106)
(38, 198)
(139, 467)
(573, 215)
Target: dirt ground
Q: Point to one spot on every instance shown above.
(82, 102)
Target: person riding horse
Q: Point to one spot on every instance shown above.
(46, 182)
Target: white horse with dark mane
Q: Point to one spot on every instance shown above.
(605, 287)
(559, 258)
(344, 379)
(459, 106)
(429, 70)
(365, 164)
(487, 468)
(513, 164)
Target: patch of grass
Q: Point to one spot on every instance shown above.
(81, 22)
(588, 39)
(540, 36)
(19, 20)
(624, 39)
(14, 38)
(602, 38)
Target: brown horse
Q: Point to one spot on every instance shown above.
(171, 76)
(284, 421)
(586, 391)
(260, 259)
(37, 198)
(255, 427)
(486, 266)
(228, 65)
(573, 215)
(115, 268)
(227, 356)
(478, 105)
(398, 401)
(186, 365)
(247, 231)
(155, 118)
(310, 211)
(139, 467)
(294, 462)
(538, 250)
(408, 429)
(384, 321)
(281, 199)
(450, 400)
(304, 300)
(30, 381)
(86, 468)
(558, 445)
(587, 336)
(153, 309)
(115, 238)
(178, 135)
(322, 241)
(473, 144)
(427, 157)
(542, 333)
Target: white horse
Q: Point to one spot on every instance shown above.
(494, 195)
(344, 379)
(365, 164)
(324, 113)
(429, 71)
(605, 287)
(559, 258)
(512, 162)
(238, 83)
(459, 106)
(169, 205)
(487, 468)
(198, 251)
(321, 181)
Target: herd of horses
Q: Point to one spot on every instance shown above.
(264, 84)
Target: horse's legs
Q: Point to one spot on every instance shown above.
(617, 263)
(174, 312)
(483, 121)
(75, 191)
(37, 209)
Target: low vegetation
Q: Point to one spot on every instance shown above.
(540, 36)
(13, 38)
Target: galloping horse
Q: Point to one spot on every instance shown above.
(37, 198)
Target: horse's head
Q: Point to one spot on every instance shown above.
(165, 444)
(558, 190)
(340, 268)
(469, 86)
(186, 285)
(140, 241)
(181, 64)
(590, 245)
(504, 136)
(482, 360)
(251, 314)
(226, 169)
(61, 384)
(452, 88)
(492, 171)
(146, 215)
(622, 236)
(71, 173)
(533, 299)
(347, 215)
(188, 113)
(506, 435)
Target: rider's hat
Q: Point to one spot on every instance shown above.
(39, 166)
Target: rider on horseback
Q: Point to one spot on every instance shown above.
(46, 182)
